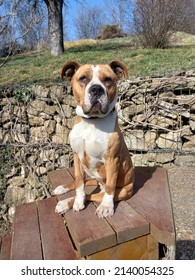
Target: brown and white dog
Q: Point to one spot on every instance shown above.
(98, 145)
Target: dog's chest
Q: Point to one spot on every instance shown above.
(91, 137)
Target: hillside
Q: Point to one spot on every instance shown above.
(40, 66)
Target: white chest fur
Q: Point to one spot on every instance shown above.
(92, 136)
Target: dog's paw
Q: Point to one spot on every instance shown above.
(64, 205)
(106, 207)
(60, 190)
(104, 211)
(78, 204)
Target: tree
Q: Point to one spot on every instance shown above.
(156, 20)
(119, 12)
(12, 33)
(88, 26)
(55, 26)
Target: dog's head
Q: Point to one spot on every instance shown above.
(94, 86)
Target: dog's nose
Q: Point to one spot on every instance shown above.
(96, 91)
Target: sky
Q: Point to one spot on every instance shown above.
(72, 10)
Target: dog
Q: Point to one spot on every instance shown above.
(96, 140)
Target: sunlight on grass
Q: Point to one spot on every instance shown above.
(40, 66)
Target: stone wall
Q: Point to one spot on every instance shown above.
(156, 115)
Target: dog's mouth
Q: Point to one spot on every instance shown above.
(97, 108)
(96, 101)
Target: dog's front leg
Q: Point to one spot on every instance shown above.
(79, 202)
(106, 207)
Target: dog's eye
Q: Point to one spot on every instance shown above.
(108, 80)
(83, 79)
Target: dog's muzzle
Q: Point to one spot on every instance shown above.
(96, 100)
(96, 91)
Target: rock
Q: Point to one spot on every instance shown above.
(57, 93)
(11, 213)
(150, 139)
(34, 120)
(135, 140)
(184, 160)
(67, 110)
(190, 145)
(69, 100)
(64, 161)
(161, 157)
(41, 91)
(48, 155)
(41, 170)
(61, 135)
(170, 140)
(16, 181)
(38, 134)
(14, 195)
(186, 132)
(18, 137)
(38, 106)
(5, 117)
(161, 121)
(70, 123)
(13, 172)
(50, 126)
(168, 96)
(192, 125)
(140, 160)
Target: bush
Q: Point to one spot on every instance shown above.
(110, 31)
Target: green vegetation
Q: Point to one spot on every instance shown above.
(40, 66)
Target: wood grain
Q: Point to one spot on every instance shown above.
(26, 243)
(152, 200)
(56, 242)
(5, 248)
(132, 250)
(90, 234)
(128, 223)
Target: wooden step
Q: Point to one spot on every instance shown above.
(133, 232)
(5, 247)
(152, 200)
(40, 233)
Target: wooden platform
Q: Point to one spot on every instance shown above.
(138, 229)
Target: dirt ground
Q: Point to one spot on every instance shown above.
(182, 189)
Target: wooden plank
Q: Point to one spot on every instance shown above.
(5, 251)
(128, 223)
(152, 200)
(90, 234)
(26, 244)
(60, 177)
(153, 248)
(135, 249)
(56, 242)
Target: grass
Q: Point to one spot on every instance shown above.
(40, 66)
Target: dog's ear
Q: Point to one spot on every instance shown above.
(119, 69)
(69, 69)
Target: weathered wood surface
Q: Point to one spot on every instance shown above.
(134, 231)
(5, 247)
(56, 243)
(91, 234)
(152, 200)
(135, 249)
(40, 233)
(26, 244)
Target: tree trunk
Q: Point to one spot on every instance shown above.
(55, 26)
